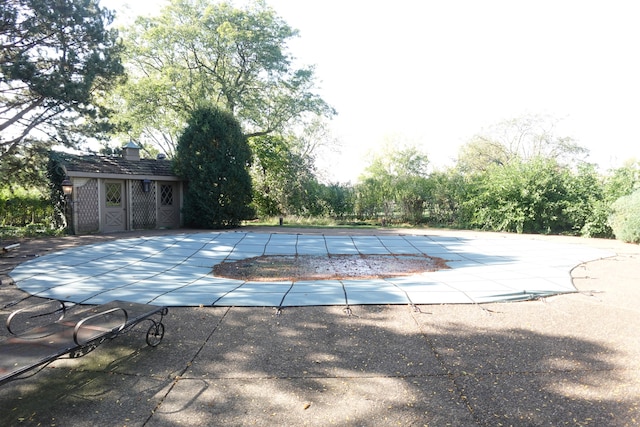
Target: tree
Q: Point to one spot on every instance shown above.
(396, 177)
(284, 180)
(213, 156)
(520, 139)
(601, 194)
(57, 58)
(197, 51)
(622, 181)
(587, 206)
(337, 199)
(448, 192)
(480, 153)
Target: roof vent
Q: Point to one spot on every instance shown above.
(161, 156)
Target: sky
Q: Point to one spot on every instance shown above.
(435, 73)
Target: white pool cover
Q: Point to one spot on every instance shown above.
(176, 270)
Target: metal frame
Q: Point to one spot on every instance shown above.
(72, 335)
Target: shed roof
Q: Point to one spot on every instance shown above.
(112, 167)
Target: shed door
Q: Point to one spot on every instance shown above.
(168, 205)
(115, 208)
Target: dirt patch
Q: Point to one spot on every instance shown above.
(271, 268)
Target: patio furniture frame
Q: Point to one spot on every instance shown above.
(74, 332)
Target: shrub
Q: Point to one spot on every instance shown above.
(21, 207)
(520, 197)
(625, 218)
(597, 224)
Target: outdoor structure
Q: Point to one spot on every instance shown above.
(120, 193)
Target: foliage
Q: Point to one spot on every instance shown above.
(395, 182)
(520, 176)
(368, 201)
(480, 153)
(600, 192)
(198, 52)
(21, 207)
(25, 167)
(34, 210)
(625, 218)
(336, 200)
(30, 230)
(285, 182)
(539, 195)
(522, 197)
(586, 207)
(622, 181)
(597, 224)
(213, 156)
(55, 176)
(311, 222)
(412, 194)
(280, 177)
(57, 58)
(444, 204)
(519, 140)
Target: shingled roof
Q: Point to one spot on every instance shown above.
(89, 165)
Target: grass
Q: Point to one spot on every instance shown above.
(325, 222)
(312, 222)
(31, 230)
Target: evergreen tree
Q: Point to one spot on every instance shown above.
(214, 157)
(57, 57)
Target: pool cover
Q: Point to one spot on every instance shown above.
(176, 270)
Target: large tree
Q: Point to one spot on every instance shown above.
(214, 157)
(198, 51)
(57, 57)
(283, 178)
(519, 140)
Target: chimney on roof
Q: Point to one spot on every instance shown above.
(131, 151)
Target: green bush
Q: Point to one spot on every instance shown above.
(21, 207)
(625, 218)
(520, 197)
(597, 224)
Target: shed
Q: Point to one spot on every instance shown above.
(120, 193)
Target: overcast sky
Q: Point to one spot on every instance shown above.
(434, 73)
